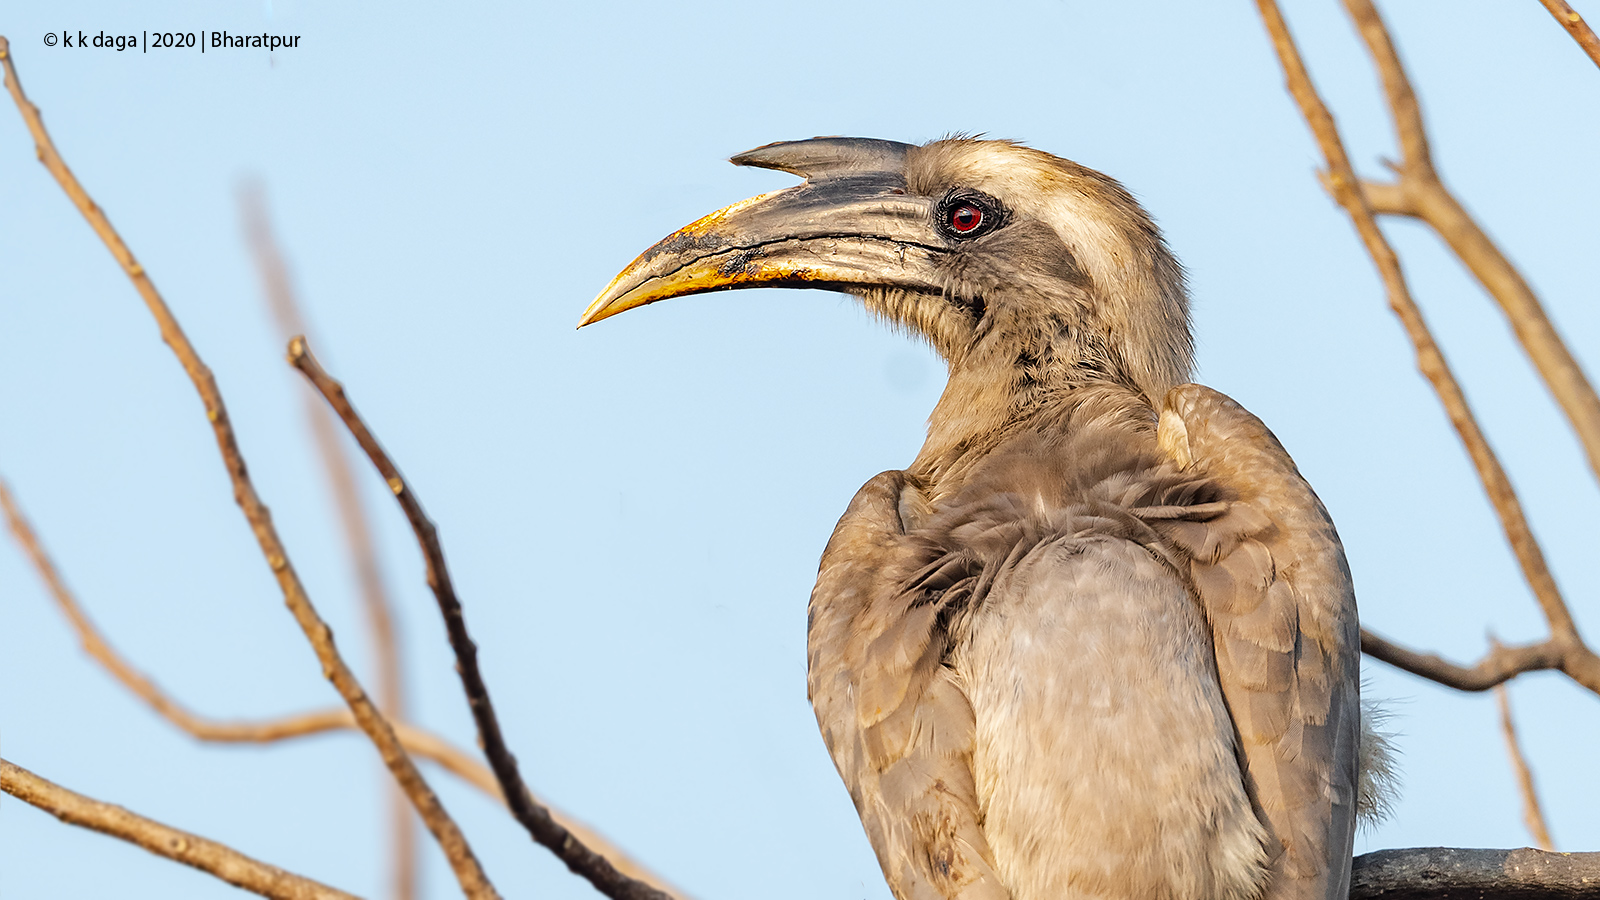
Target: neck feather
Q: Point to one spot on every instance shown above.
(1005, 386)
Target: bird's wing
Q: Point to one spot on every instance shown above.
(896, 721)
(1272, 578)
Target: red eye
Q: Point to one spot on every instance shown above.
(965, 218)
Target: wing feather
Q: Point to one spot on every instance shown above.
(899, 727)
(1271, 576)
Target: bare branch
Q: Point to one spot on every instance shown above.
(336, 464)
(1576, 659)
(1532, 813)
(208, 856)
(358, 532)
(1387, 199)
(1429, 200)
(462, 860)
(419, 743)
(1575, 26)
(1440, 873)
(1499, 665)
(581, 859)
(262, 731)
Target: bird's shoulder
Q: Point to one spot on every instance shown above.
(1270, 573)
(1268, 503)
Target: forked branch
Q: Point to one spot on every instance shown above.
(418, 742)
(1421, 194)
(1566, 649)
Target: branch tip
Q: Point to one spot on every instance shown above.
(583, 860)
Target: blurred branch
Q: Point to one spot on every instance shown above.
(264, 731)
(1532, 813)
(1573, 657)
(419, 743)
(180, 846)
(1575, 26)
(357, 531)
(463, 862)
(1441, 873)
(578, 857)
(336, 463)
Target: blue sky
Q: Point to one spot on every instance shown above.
(633, 512)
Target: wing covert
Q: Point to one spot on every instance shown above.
(1272, 578)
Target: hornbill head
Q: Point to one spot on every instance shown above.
(1019, 267)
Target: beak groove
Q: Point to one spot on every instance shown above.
(855, 228)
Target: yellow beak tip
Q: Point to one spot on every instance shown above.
(601, 308)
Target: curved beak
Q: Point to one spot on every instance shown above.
(841, 232)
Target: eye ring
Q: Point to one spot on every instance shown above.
(965, 214)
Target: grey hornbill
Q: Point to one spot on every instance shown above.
(1099, 638)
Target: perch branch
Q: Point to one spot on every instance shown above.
(1576, 660)
(179, 846)
(1532, 812)
(1422, 195)
(474, 883)
(581, 859)
(336, 467)
(1575, 26)
(1442, 873)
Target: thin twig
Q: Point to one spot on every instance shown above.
(336, 464)
(340, 475)
(208, 856)
(1575, 26)
(1576, 660)
(1532, 813)
(1424, 196)
(474, 883)
(418, 742)
(582, 860)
